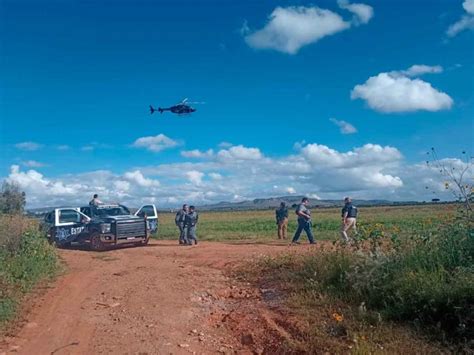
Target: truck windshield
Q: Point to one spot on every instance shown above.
(111, 211)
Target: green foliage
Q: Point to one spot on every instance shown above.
(12, 199)
(260, 226)
(25, 258)
(426, 280)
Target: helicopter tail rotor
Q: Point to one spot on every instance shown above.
(160, 109)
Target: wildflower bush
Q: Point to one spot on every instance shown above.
(426, 278)
(25, 258)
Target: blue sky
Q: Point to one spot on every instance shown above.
(78, 76)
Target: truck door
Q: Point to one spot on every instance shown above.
(68, 224)
(151, 215)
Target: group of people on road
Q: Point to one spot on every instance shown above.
(186, 220)
(348, 214)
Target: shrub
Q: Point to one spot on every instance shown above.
(25, 258)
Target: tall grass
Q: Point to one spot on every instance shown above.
(25, 258)
(426, 280)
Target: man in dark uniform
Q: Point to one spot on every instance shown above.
(190, 222)
(304, 222)
(349, 219)
(281, 215)
(179, 221)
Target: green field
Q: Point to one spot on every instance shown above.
(260, 225)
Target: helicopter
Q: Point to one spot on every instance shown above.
(181, 108)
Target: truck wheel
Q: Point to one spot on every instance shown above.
(95, 242)
(144, 242)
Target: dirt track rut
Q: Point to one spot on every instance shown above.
(146, 300)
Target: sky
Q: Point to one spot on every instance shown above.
(324, 98)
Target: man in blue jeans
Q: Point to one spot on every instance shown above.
(304, 222)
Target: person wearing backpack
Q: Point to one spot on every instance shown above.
(349, 219)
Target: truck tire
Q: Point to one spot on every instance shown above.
(95, 242)
(144, 242)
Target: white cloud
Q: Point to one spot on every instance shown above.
(240, 152)
(138, 178)
(155, 143)
(368, 171)
(33, 164)
(63, 147)
(468, 5)
(289, 29)
(195, 177)
(466, 22)
(196, 153)
(393, 92)
(363, 13)
(87, 148)
(225, 145)
(290, 190)
(345, 127)
(420, 69)
(28, 146)
(215, 176)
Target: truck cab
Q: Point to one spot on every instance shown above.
(100, 226)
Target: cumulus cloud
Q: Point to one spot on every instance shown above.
(240, 152)
(28, 146)
(345, 127)
(195, 177)
(420, 69)
(362, 12)
(396, 92)
(196, 153)
(290, 190)
(289, 29)
(155, 143)
(138, 178)
(367, 171)
(466, 22)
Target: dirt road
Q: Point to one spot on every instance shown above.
(159, 299)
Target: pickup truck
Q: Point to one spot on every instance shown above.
(100, 226)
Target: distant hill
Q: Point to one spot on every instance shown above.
(274, 202)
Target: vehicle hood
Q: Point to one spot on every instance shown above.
(111, 219)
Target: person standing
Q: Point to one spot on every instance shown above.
(190, 222)
(349, 219)
(179, 221)
(281, 215)
(304, 222)
(95, 201)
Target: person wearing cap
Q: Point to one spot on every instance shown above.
(349, 219)
(281, 215)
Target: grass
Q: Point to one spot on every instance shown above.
(261, 226)
(417, 271)
(25, 259)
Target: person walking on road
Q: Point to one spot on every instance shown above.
(190, 222)
(349, 219)
(179, 221)
(281, 215)
(304, 222)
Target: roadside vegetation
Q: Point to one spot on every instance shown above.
(25, 256)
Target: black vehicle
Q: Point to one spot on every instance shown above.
(100, 226)
(180, 108)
